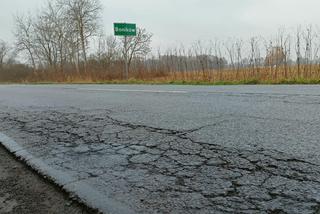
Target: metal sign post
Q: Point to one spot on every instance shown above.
(126, 57)
(126, 30)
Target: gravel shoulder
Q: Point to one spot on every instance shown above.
(23, 191)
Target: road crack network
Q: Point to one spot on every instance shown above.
(155, 170)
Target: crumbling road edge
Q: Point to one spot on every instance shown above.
(79, 191)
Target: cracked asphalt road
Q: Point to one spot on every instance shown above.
(176, 149)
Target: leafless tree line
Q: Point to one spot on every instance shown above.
(288, 49)
(58, 38)
(61, 35)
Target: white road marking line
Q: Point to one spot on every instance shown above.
(127, 90)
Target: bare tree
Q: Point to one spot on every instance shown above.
(255, 56)
(24, 34)
(44, 42)
(253, 43)
(239, 46)
(308, 37)
(83, 17)
(108, 48)
(298, 49)
(218, 63)
(136, 46)
(4, 50)
(201, 56)
(51, 36)
(108, 51)
(231, 51)
(285, 47)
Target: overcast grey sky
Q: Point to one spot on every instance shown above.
(184, 21)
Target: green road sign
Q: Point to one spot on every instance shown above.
(124, 29)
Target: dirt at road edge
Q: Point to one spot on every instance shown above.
(22, 191)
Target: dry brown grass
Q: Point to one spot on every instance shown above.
(260, 75)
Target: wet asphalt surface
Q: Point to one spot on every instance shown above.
(177, 149)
